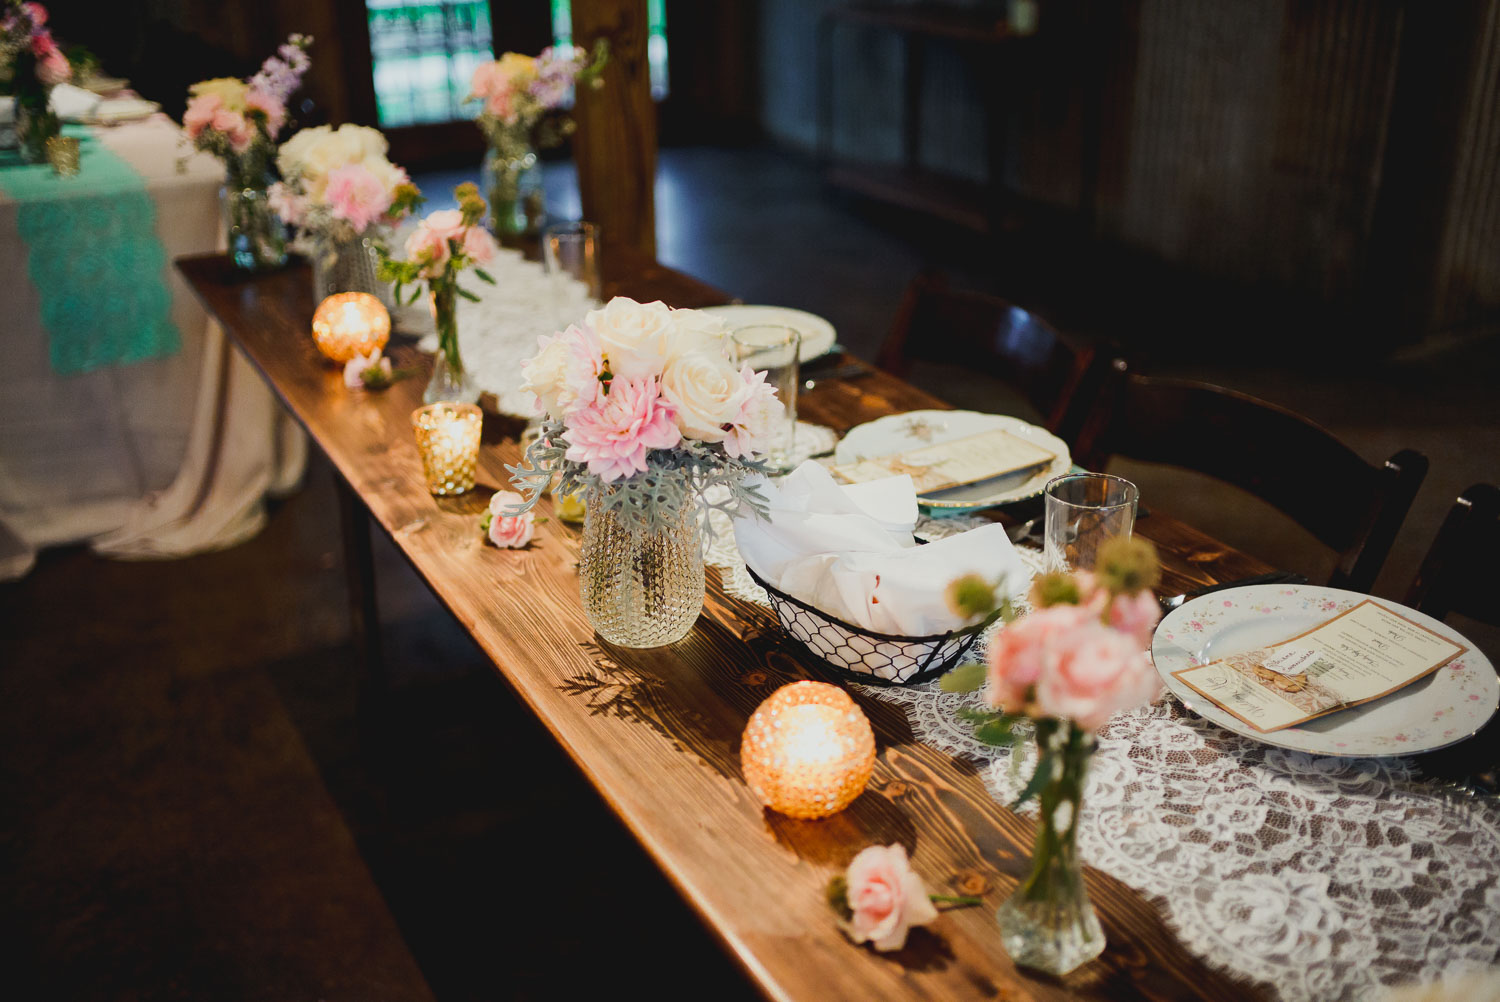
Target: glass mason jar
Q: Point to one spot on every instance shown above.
(257, 237)
(348, 266)
(512, 179)
(640, 587)
(1049, 923)
(450, 380)
(35, 123)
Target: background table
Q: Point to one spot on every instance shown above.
(157, 458)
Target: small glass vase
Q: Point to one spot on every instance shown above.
(35, 123)
(512, 175)
(348, 266)
(450, 381)
(1048, 924)
(257, 237)
(640, 587)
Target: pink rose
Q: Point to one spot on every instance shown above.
(429, 249)
(53, 69)
(356, 195)
(479, 245)
(1092, 671)
(274, 110)
(510, 532)
(1018, 654)
(43, 44)
(446, 223)
(200, 113)
(615, 435)
(354, 369)
(1135, 615)
(886, 897)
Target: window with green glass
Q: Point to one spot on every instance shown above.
(656, 38)
(424, 52)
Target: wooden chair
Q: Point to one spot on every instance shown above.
(1350, 505)
(935, 323)
(1461, 572)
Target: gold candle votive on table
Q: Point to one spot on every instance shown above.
(448, 439)
(350, 324)
(63, 154)
(808, 750)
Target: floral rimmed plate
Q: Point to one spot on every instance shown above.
(915, 429)
(1444, 708)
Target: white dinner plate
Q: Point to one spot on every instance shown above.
(818, 336)
(915, 429)
(112, 111)
(1444, 708)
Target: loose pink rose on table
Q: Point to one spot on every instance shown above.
(509, 532)
(880, 899)
(356, 367)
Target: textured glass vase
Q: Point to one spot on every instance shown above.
(347, 266)
(450, 381)
(257, 237)
(1049, 924)
(640, 587)
(512, 176)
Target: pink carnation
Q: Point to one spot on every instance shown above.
(357, 195)
(233, 125)
(200, 113)
(614, 436)
(274, 110)
(53, 69)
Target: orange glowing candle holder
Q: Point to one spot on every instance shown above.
(350, 324)
(808, 750)
(448, 439)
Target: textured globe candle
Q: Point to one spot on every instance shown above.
(808, 750)
(350, 324)
(448, 439)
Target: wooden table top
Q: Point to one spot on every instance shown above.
(657, 732)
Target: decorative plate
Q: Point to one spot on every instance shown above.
(1442, 709)
(914, 429)
(817, 334)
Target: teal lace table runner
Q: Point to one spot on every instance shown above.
(95, 259)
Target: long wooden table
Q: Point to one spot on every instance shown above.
(657, 731)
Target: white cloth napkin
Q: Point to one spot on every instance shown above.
(69, 103)
(849, 552)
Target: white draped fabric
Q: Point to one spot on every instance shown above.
(155, 459)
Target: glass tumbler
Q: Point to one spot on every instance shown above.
(570, 253)
(773, 348)
(1084, 510)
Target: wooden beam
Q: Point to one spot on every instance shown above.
(615, 146)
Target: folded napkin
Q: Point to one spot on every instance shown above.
(71, 104)
(849, 552)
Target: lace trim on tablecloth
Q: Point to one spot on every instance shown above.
(1319, 878)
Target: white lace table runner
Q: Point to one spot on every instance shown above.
(1318, 878)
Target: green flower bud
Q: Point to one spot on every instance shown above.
(1054, 588)
(1126, 565)
(970, 596)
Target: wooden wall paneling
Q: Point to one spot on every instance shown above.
(615, 146)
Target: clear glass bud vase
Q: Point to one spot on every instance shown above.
(640, 587)
(348, 266)
(1049, 923)
(450, 381)
(35, 123)
(257, 237)
(512, 175)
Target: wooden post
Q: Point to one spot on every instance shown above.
(615, 146)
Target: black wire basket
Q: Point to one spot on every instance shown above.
(863, 655)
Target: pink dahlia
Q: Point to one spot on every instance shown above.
(746, 433)
(614, 436)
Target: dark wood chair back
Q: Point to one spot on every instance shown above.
(1459, 573)
(936, 323)
(1352, 506)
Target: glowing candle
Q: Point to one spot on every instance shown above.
(808, 750)
(448, 439)
(350, 324)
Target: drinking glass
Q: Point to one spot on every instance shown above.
(1083, 511)
(773, 348)
(570, 252)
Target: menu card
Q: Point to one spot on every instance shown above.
(1361, 654)
(962, 461)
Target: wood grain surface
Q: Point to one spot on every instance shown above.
(657, 731)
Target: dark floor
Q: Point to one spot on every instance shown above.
(185, 807)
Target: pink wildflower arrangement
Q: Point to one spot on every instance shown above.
(237, 120)
(517, 90)
(642, 404)
(337, 185)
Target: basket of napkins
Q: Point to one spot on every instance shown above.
(851, 583)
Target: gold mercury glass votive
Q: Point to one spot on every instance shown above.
(350, 323)
(63, 155)
(448, 439)
(808, 750)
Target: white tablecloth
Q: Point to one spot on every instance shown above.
(155, 459)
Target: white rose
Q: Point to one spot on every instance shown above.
(708, 391)
(695, 331)
(293, 152)
(634, 336)
(545, 374)
(370, 143)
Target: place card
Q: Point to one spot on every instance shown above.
(969, 460)
(1361, 654)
